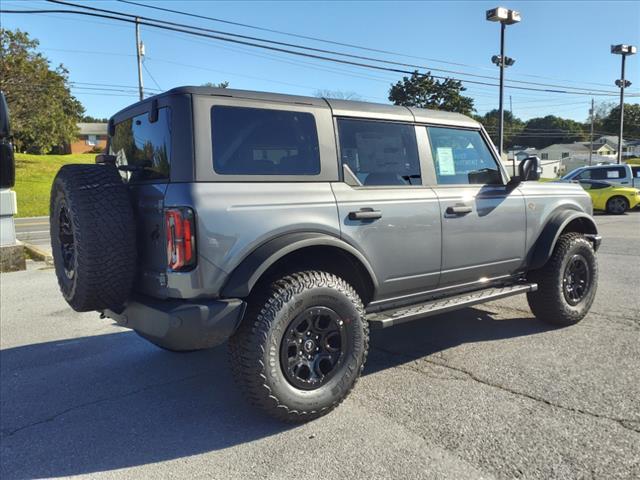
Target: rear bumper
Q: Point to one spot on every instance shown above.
(180, 324)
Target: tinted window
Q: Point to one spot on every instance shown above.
(380, 153)
(636, 171)
(144, 146)
(254, 141)
(608, 173)
(462, 157)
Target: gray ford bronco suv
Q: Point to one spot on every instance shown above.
(289, 226)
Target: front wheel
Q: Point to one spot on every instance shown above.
(302, 345)
(617, 205)
(567, 283)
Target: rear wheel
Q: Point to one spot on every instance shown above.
(617, 205)
(567, 283)
(302, 345)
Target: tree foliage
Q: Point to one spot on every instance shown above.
(544, 131)
(424, 91)
(90, 119)
(512, 126)
(611, 123)
(43, 111)
(224, 84)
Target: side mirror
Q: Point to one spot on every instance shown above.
(529, 169)
(7, 160)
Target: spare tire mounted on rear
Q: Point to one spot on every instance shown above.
(93, 236)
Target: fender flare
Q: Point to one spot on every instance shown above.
(554, 227)
(249, 271)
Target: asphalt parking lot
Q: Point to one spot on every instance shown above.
(486, 392)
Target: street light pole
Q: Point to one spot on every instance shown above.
(505, 17)
(622, 85)
(623, 50)
(501, 107)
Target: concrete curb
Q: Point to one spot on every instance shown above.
(38, 253)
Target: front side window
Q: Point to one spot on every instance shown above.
(584, 175)
(143, 147)
(380, 153)
(257, 141)
(461, 157)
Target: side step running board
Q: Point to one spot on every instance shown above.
(388, 318)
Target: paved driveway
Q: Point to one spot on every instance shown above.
(487, 392)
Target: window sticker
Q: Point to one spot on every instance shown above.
(446, 165)
(613, 174)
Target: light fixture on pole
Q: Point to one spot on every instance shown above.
(622, 50)
(505, 17)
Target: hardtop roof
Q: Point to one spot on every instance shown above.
(348, 108)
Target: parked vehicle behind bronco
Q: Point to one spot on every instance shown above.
(290, 225)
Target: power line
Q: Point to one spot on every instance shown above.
(333, 42)
(319, 50)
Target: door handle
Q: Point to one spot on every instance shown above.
(365, 214)
(459, 210)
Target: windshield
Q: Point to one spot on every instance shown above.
(572, 174)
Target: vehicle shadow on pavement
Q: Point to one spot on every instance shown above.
(113, 401)
(408, 342)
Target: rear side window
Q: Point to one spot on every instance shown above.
(256, 141)
(636, 172)
(462, 157)
(144, 146)
(380, 153)
(607, 173)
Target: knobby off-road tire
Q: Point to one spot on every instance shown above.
(617, 205)
(567, 283)
(93, 236)
(277, 315)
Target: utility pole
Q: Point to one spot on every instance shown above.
(592, 112)
(139, 56)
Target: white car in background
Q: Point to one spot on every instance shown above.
(623, 174)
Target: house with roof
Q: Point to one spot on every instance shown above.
(92, 137)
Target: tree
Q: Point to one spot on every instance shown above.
(337, 94)
(611, 124)
(424, 91)
(224, 84)
(43, 111)
(90, 119)
(544, 131)
(512, 126)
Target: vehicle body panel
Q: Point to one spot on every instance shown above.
(233, 219)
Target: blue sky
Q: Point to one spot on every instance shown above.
(563, 43)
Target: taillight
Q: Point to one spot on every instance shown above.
(181, 240)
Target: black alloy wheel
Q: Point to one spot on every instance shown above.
(67, 244)
(577, 279)
(312, 347)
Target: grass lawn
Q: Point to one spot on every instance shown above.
(34, 175)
